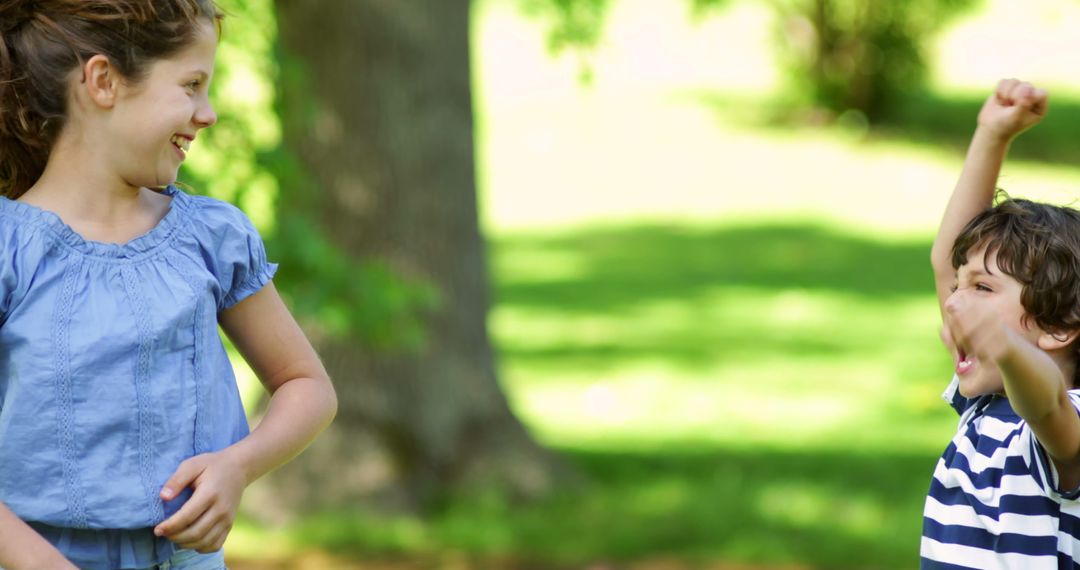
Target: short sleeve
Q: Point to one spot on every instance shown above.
(237, 255)
(8, 276)
(21, 251)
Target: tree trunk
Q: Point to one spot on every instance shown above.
(376, 107)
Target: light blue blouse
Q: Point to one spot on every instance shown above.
(112, 370)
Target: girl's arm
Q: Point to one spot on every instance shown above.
(22, 548)
(302, 404)
(1012, 108)
(302, 399)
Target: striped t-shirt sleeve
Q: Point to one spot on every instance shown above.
(994, 500)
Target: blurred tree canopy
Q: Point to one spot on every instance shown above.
(574, 25)
(838, 55)
(859, 54)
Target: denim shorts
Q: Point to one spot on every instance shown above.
(191, 560)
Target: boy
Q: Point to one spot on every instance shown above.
(1005, 492)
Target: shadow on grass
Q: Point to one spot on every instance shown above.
(949, 122)
(710, 283)
(691, 506)
(623, 267)
(928, 119)
(814, 510)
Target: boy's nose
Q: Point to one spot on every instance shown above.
(953, 302)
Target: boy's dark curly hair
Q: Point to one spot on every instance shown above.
(1038, 245)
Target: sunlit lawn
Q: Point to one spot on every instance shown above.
(728, 327)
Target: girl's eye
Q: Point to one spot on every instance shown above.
(194, 85)
(981, 287)
(953, 288)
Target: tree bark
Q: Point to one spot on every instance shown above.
(376, 106)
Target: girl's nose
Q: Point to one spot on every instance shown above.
(205, 115)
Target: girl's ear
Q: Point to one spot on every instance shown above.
(1058, 339)
(100, 80)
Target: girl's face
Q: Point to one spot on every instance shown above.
(156, 119)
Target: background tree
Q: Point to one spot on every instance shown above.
(376, 112)
(839, 55)
(862, 55)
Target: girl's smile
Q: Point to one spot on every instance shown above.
(182, 144)
(159, 116)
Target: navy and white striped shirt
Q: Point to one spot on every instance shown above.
(994, 501)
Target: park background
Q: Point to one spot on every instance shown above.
(710, 300)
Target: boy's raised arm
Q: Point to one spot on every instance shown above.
(1012, 108)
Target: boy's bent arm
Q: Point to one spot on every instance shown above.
(23, 549)
(1036, 390)
(1031, 369)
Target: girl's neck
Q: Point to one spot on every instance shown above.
(97, 204)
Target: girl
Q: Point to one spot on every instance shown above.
(123, 443)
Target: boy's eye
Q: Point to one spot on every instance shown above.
(953, 288)
(194, 84)
(982, 287)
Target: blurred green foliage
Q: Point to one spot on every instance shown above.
(949, 122)
(242, 160)
(573, 23)
(863, 55)
(573, 26)
(694, 506)
(838, 55)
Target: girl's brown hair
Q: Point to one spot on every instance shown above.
(1038, 245)
(42, 41)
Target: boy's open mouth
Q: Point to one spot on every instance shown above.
(965, 362)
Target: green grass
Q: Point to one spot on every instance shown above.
(759, 394)
(763, 506)
(728, 325)
(655, 335)
(750, 393)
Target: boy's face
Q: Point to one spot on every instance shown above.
(984, 298)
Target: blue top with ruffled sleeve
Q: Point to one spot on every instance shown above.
(112, 371)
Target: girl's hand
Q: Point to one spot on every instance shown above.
(204, 522)
(1013, 108)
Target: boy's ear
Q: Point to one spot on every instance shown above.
(100, 80)
(1057, 339)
